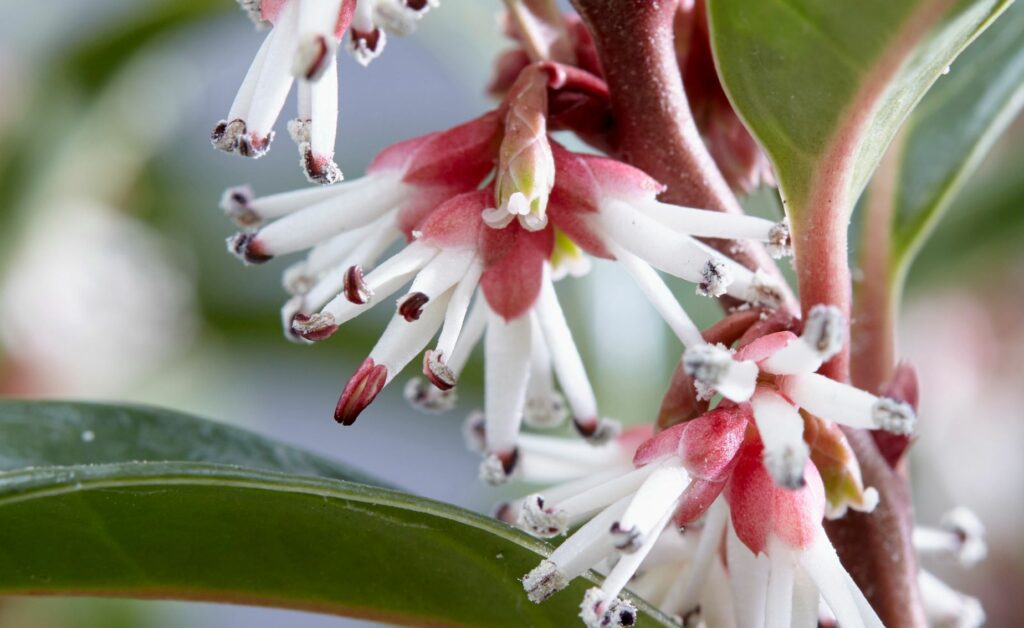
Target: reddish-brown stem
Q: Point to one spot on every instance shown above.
(654, 127)
(873, 343)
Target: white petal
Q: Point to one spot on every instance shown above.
(356, 204)
(660, 296)
(506, 369)
(782, 430)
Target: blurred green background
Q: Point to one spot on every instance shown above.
(114, 281)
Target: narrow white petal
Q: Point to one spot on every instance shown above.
(243, 99)
(748, 575)
(685, 595)
(660, 296)
(323, 118)
(458, 307)
(946, 606)
(589, 501)
(506, 369)
(782, 430)
(823, 566)
(275, 78)
(781, 574)
(806, 601)
(373, 244)
(703, 223)
(444, 271)
(545, 406)
(472, 332)
(402, 341)
(629, 563)
(674, 253)
(357, 204)
(656, 496)
(845, 404)
(284, 203)
(565, 356)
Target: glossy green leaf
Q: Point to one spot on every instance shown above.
(59, 433)
(952, 129)
(98, 522)
(824, 85)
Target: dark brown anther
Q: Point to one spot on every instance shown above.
(354, 287)
(437, 372)
(246, 247)
(411, 306)
(314, 327)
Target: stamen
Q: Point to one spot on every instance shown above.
(411, 305)
(271, 86)
(572, 558)
(597, 431)
(497, 468)
(606, 608)
(473, 432)
(893, 415)
(592, 499)
(277, 205)
(713, 369)
(397, 346)
(946, 606)
(437, 371)
(314, 327)
(962, 536)
(542, 518)
(245, 247)
(366, 46)
(545, 407)
(779, 242)
(225, 136)
(237, 204)
(764, 290)
(429, 398)
(318, 154)
(714, 279)
(686, 592)
(354, 288)
(312, 55)
(822, 338)
(600, 610)
(360, 391)
(822, 564)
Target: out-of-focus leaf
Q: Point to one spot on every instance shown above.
(825, 85)
(952, 129)
(213, 532)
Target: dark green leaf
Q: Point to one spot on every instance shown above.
(93, 517)
(59, 433)
(205, 532)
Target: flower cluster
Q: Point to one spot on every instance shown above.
(466, 232)
(501, 239)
